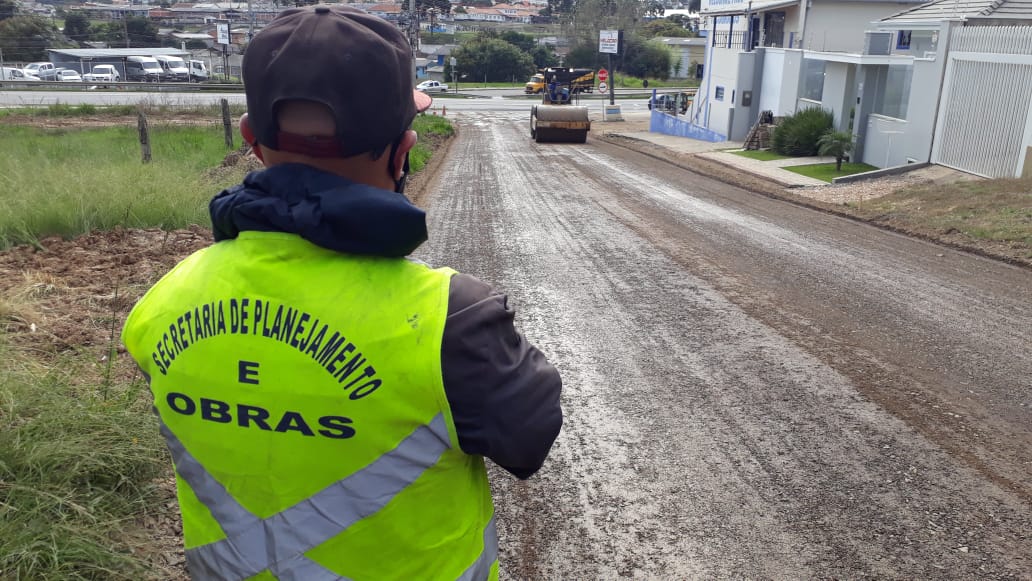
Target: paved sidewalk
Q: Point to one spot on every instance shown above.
(636, 125)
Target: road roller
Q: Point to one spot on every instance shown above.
(557, 118)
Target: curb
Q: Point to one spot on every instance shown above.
(625, 142)
(762, 176)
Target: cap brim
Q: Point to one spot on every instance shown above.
(422, 100)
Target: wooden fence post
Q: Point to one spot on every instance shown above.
(227, 126)
(141, 124)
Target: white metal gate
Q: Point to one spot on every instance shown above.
(985, 117)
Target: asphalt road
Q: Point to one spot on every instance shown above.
(752, 390)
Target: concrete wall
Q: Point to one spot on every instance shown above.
(680, 126)
(770, 86)
(884, 144)
(723, 74)
(836, 26)
(793, 70)
(750, 69)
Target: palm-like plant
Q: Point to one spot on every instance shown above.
(836, 143)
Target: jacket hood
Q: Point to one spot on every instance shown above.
(323, 208)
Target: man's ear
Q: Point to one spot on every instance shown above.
(248, 134)
(408, 141)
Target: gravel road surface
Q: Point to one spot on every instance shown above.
(752, 390)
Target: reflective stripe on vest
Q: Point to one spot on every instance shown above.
(278, 543)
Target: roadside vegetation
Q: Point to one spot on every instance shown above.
(77, 465)
(997, 211)
(829, 171)
(66, 181)
(82, 467)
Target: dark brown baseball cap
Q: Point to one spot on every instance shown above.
(356, 64)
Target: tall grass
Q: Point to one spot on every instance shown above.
(427, 126)
(75, 469)
(67, 182)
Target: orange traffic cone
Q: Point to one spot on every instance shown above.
(444, 111)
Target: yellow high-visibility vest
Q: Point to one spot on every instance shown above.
(301, 395)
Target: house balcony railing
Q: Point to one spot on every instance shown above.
(724, 39)
(737, 40)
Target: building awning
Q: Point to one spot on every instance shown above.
(736, 8)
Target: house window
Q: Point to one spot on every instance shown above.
(813, 79)
(719, 94)
(903, 40)
(892, 100)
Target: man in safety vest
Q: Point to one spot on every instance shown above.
(327, 402)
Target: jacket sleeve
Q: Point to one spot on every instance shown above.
(503, 393)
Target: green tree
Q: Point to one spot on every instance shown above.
(143, 32)
(557, 7)
(649, 59)
(492, 59)
(664, 27)
(652, 8)
(585, 55)
(524, 42)
(8, 8)
(544, 56)
(26, 38)
(77, 26)
(442, 7)
(836, 143)
(590, 16)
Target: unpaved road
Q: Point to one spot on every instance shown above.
(752, 390)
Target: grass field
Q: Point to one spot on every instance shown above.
(79, 446)
(827, 172)
(994, 210)
(66, 182)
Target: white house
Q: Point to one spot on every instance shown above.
(969, 98)
(766, 55)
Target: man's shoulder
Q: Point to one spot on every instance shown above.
(467, 291)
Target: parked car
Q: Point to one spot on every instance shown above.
(670, 102)
(432, 87)
(198, 72)
(13, 74)
(69, 76)
(143, 69)
(102, 74)
(45, 71)
(173, 68)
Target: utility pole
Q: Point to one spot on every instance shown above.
(250, 22)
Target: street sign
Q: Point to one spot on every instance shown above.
(609, 41)
(602, 87)
(222, 32)
(603, 75)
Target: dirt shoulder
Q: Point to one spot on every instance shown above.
(925, 204)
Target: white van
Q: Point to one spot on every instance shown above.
(13, 74)
(142, 69)
(198, 72)
(173, 67)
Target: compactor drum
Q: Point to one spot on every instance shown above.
(560, 123)
(557, 118)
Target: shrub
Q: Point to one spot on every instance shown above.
(797, 135)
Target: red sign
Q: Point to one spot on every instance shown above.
(603, 75)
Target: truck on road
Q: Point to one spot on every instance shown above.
(580, 80)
